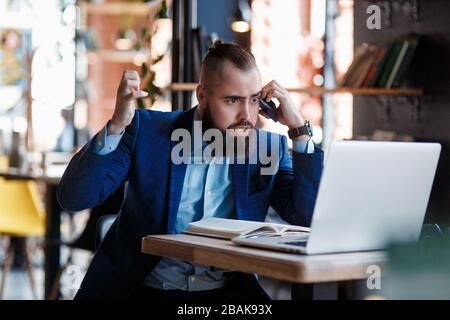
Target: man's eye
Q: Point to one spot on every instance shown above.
(232, 100)
(254, 100)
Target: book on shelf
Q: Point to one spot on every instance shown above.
(390, 61)
(403, 48)
(231, 228)
(362, 61)
(414, 41)
(375, 68)
(382, 66)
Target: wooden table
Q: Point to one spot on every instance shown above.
(53, 220)
(322, 272)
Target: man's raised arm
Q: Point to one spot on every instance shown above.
(102, 165)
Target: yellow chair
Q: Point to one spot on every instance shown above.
(4, 163)
(21, 215)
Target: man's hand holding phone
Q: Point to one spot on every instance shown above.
(129, 89)
(268, 109)
(287, 112)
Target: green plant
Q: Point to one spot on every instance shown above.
(147, 74)
(153, 90)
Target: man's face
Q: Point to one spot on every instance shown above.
(233, 103)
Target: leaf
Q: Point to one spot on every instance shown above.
(158, 59)
(148, 38)
(144, 32)
(140, 103)
(144, 70)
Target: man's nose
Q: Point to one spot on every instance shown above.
(245, 110)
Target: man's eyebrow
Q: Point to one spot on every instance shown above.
(241, 97)
(234, 97)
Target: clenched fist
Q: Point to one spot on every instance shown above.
(129, 89)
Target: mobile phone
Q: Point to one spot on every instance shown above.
(270, 109)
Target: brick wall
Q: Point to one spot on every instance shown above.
(104, 74)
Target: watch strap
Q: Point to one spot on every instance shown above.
(299, 131)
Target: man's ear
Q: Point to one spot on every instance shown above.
(201, 97)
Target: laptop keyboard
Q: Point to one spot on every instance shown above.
(297, 243)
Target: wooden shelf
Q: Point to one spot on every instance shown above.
(317, 91)
(131, 56)
(182, 87)
(121, 8)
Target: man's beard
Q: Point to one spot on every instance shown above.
(233, 140)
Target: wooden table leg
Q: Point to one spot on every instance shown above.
(52, 238)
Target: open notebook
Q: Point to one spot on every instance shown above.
(230, 228)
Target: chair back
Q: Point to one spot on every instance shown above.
(21, 210)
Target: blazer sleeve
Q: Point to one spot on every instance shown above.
(90, 178)
(296, 184)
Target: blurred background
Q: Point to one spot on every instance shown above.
(61, 63)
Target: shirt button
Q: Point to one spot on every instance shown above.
(210, 193)
(193, 278)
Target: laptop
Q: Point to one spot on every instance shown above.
(371, 194)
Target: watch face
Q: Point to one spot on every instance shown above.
(310, 128)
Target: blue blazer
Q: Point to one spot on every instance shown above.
(154, 190)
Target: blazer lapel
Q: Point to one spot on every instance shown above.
(177, 171)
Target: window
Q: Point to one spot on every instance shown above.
(288, 41)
